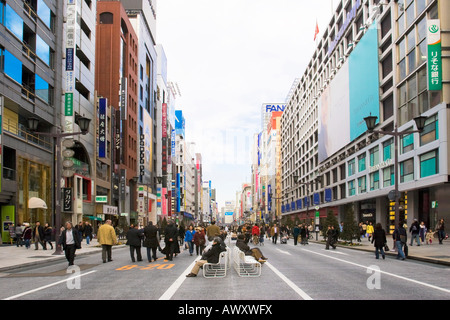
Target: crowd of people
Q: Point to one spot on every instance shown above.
(196, 238)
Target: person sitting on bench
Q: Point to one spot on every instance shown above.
(254, 252)
(210, 256)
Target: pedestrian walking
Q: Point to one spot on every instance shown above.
(303, 234)
(19, 235)
(134, 240)
(400, 238)
(80, 229)
(87, 231)
(369, 230)
(70, 242)
(181, 234)
(331, 236)
(430, 236)
(414, 230)
(27, 235)
(38, 236)
(199, 240)
(106, 236)
(151, 241)
(189, 239)
(440, 228)
(171, 240)
(274, 231)
(423, 231)
(212, 231)
(379, 240)
(296, 233)
(48, 236)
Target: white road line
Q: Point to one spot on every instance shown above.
(384, 272)
(337, 252)
(177, 284)
(285, 252)
(48, 286)
(299, 291)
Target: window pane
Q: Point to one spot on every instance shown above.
(422, 29)
(42, 50)
(13, 67)
(412, 88)
(411, 39)
(402, 69)
(407, 170)
(14, 22)
(412, 61)
(429, 164)
(410, 15)
(44, 13)
(41, 89)
(407, 143)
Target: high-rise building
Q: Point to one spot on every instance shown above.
(374, 58)
(117, 79)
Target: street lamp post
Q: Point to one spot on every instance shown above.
(83, 123)
(420, 124)
(307, 184)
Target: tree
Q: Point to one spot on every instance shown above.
(350, 229)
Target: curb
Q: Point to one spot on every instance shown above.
(56, 258)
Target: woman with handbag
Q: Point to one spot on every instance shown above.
(379, 237)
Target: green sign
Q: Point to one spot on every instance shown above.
(434, 55)
(101, 199)
(68, 105)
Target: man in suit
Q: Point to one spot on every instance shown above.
(70, 241)
(134, 240)
(151, 241)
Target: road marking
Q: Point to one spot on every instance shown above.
(337, 252)
(48, 286)
(387, 273)
(177, 284)
(299, 291)
(285, 252)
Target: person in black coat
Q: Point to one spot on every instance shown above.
(210, 256)
(48, 236)
(151, 241)
(70, 241)
(379, 237)
(134, 240)
(171, 240)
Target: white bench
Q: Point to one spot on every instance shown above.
(219, 269)
(246, 266)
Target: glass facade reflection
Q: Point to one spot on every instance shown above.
(42, 89)
(34, 180)
(12, 66)
(42, 50)
(13, 22)
(44, 13)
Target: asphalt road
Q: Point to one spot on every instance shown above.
(292, 273)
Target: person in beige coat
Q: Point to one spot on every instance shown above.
(106, 236)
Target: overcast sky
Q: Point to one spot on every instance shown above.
(228, 58)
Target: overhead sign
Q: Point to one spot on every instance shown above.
(434, 55)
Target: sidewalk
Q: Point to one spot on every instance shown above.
(13, 257)
(434, 253)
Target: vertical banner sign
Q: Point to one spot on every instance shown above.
(71, 15)
(102, 127)
(434, 55)
(141, 155)
(164, 139)
(67, 199)
(269, 197)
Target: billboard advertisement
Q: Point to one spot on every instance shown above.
(351, 96)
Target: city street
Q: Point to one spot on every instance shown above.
(292, 273)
